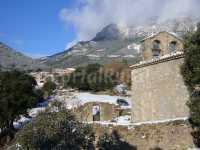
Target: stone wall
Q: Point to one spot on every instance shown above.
(158, 91)
(167, 136)
(165, 38)
(107, 112)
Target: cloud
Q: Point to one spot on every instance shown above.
(70, 44)
(90, 16)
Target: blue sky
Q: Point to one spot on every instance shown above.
(45, 27)
(33, 26)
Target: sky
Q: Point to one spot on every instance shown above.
(34, 27)
(44, 27)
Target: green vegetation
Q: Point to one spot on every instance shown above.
(56, 130)
(90, 78)
(48, 88)
(113, 142)
(70, 58)
(120, 71)
(16, 95)
(191, 74)
(59, 129)
(96, 77)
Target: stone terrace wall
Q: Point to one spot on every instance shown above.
(167, 136)
(107, 112)
(158, 91)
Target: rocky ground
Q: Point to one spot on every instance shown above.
(170, 135)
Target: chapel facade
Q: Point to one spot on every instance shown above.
(158, 89)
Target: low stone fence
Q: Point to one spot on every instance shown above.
(175, 135)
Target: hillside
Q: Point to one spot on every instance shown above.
(11, 59)
(91, 52)
(115, 42)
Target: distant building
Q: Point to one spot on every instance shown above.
(101, 111)
(90, 107)
(62, 72)
(42, 76)
(158, 88)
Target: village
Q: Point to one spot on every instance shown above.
(100, 75)
(157, 97)
(159, 50)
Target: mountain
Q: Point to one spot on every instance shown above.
(11, 59)
(117, 43)
(110, 32)
(179, 26)
(113, 43)
(102, 52)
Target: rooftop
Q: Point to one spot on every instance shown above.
(167, 57)
(155, 34)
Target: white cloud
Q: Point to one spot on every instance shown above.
(90, 16)
(176, 8)
(70, 44)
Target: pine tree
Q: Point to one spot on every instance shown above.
(49, 87)
(17, 94)
(191, 74)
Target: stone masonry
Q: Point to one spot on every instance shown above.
(158, 91)
(165, 39)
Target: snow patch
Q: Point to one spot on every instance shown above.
(113, 56)
(160, 121)
(134, 46)
(120, 89)
(18, 124)
(100, 50)
(35, 111)
(122, 122)
(78, 99)
(129, 56)
(123, 119)
(95, 56)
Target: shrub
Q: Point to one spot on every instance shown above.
(56, 128)
(113, 142)
(17, 94)
(191, 74)
(48, 88)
